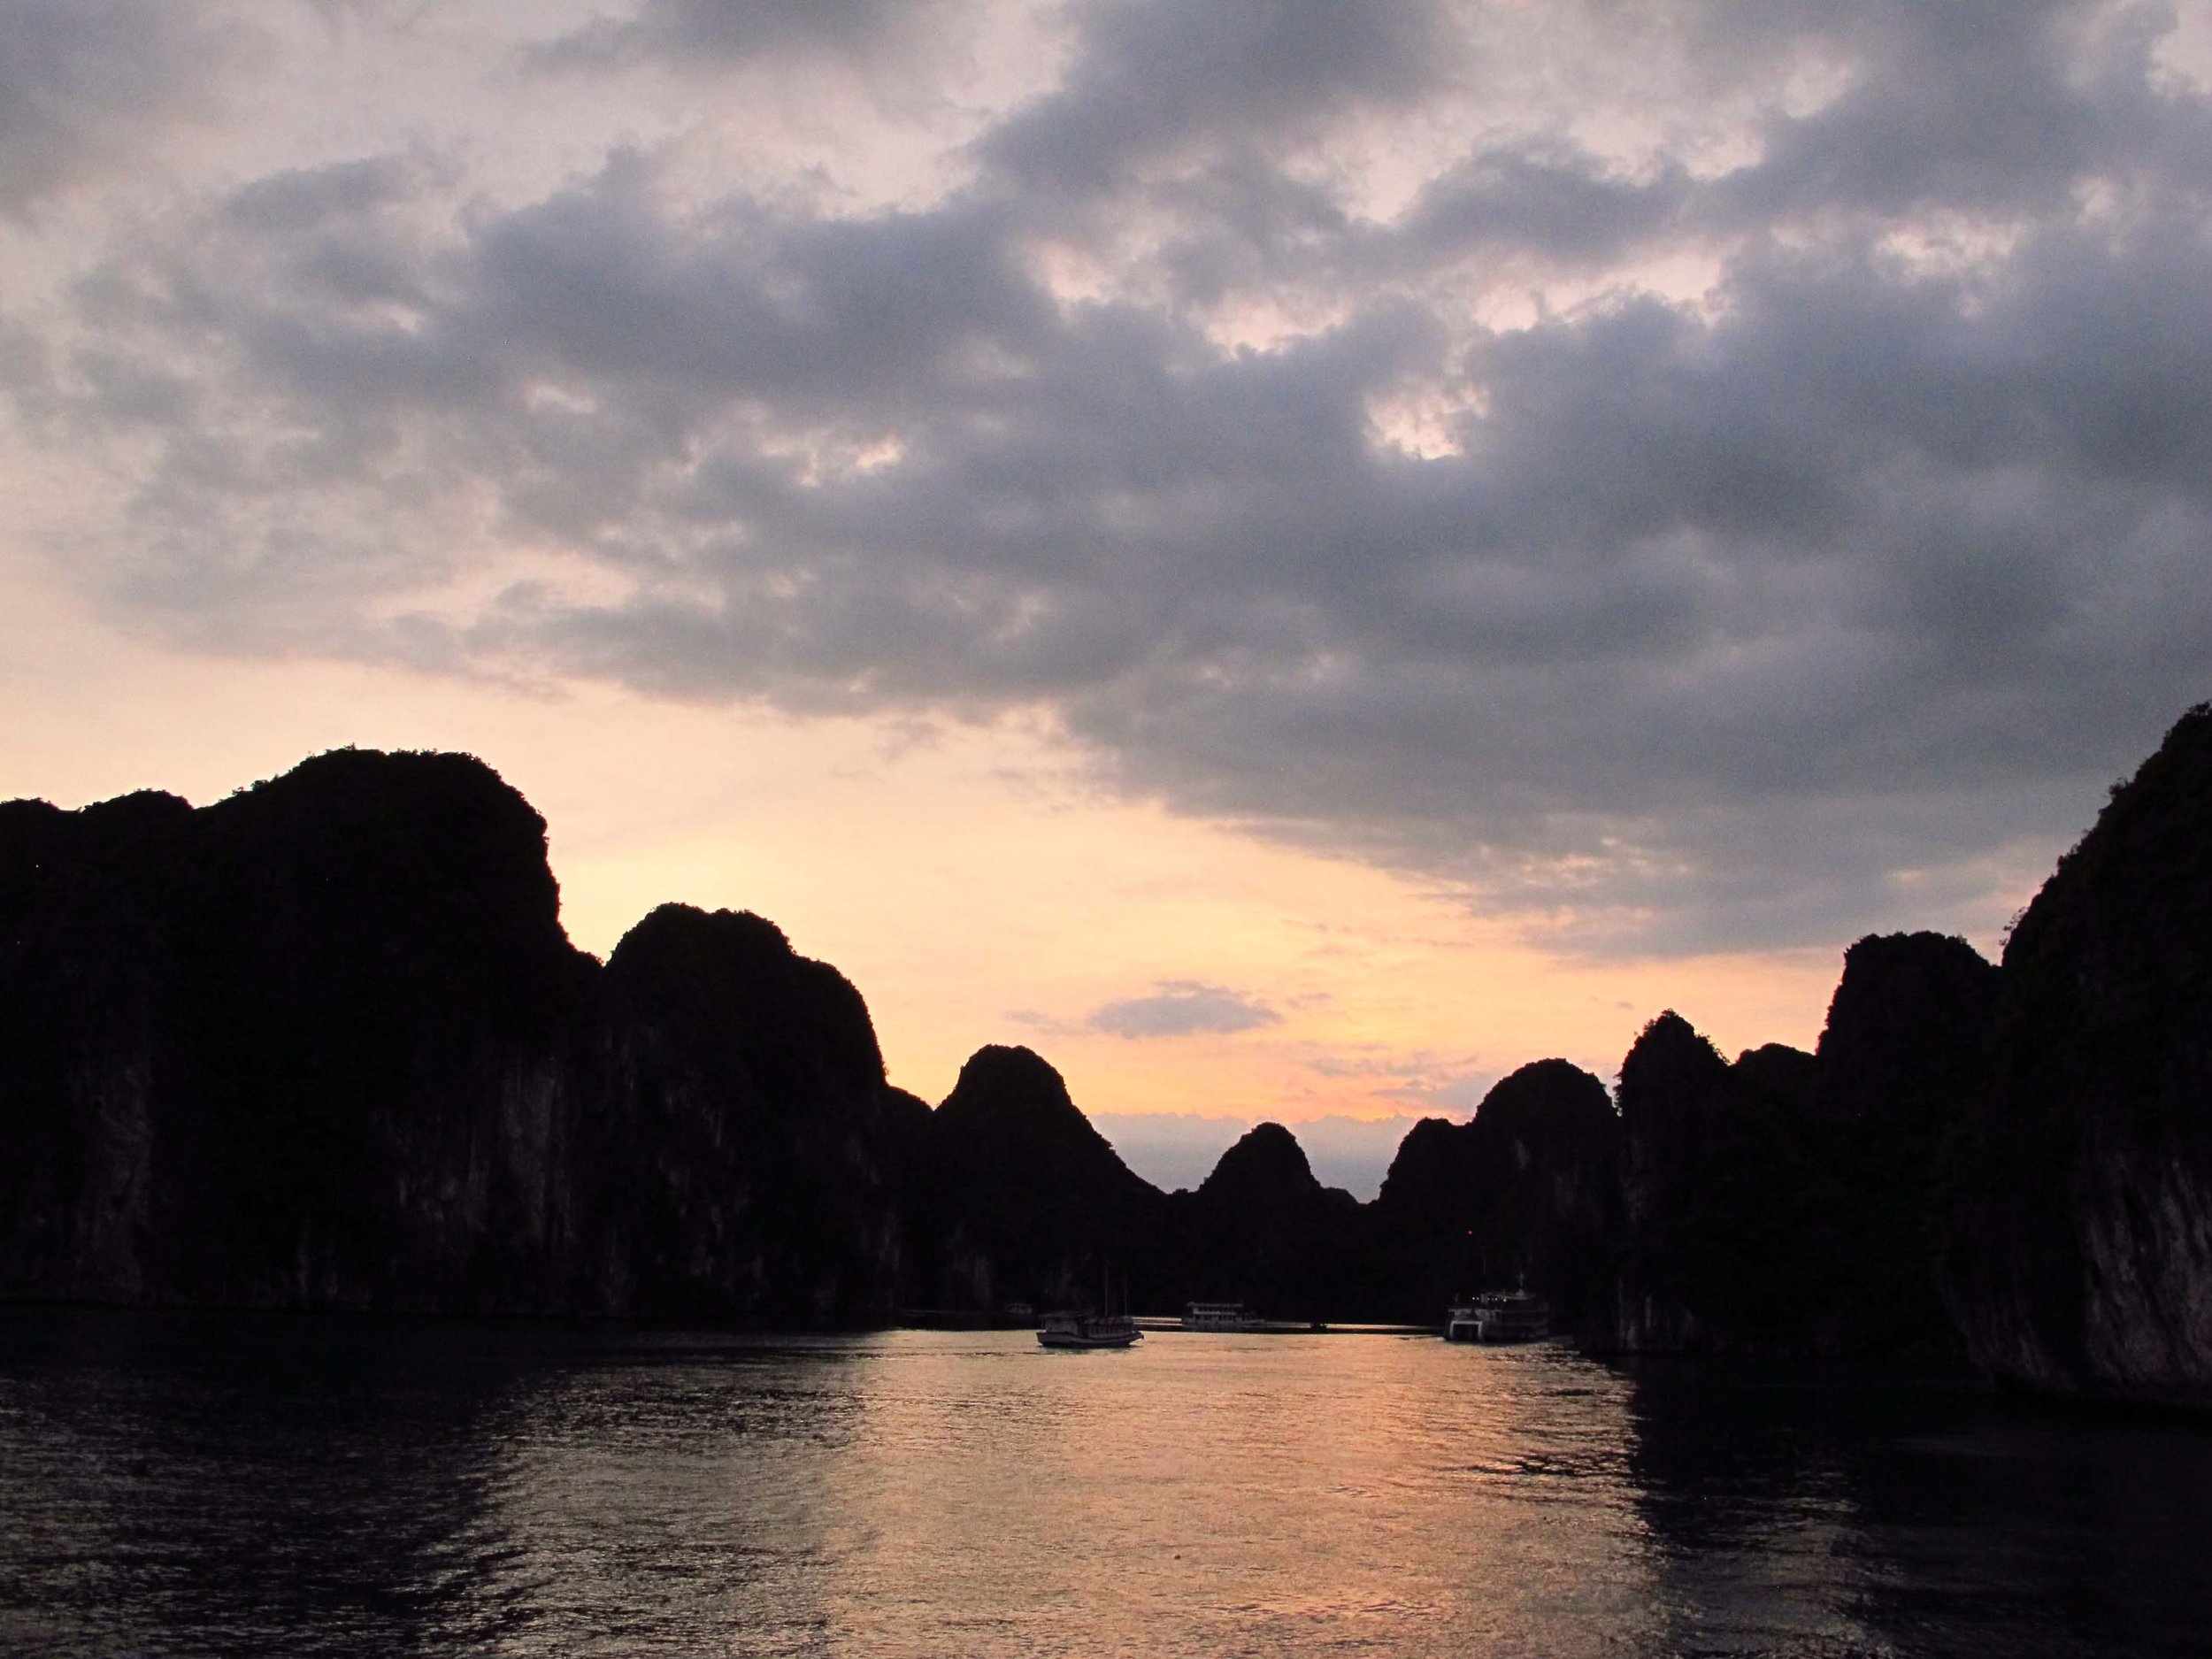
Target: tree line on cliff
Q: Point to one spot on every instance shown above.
(324, 1044)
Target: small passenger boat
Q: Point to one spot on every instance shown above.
(1087, 1330)
(1500, 1315)
(1103, 1329)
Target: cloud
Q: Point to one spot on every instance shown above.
(1800, 558)
(1154, 80)
(86, 86)
(1436, 1084)
(1184, 1007)
(707, 35)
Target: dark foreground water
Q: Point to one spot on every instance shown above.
(171, 1485)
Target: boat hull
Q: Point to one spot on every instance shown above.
(1067, 1339)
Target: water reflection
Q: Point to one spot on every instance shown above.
(180, 1485)
(1925, 1520)
(1231, 1494)
(669, 1500)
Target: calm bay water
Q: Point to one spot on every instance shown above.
(174, 1484)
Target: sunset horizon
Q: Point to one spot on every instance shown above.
(1067, 827)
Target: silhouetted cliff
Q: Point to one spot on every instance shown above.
(1018, 1198)
(1901, 1064)
(753, 1157)
(1261, 1229)
(1671, 1104)
(252, 1048)
(1794, 1203)
(2082, 1254)
(1528, 1190)
(324, 1044)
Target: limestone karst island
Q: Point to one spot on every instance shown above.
(323, 1045)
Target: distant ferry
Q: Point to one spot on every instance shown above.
(1087, 1330)
(1500, 1315)
(1221, 1315)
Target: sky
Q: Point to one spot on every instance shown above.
(1291, 557)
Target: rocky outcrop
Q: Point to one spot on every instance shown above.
(324, 1044)
(1018, 1198)
(1263, 1230)
(1671, 1104)
(2081, 1255)
(1791, 1202)
(754, 1161)
(1548, 1140)
(1529, 1189)
(300, 1047)
(1901, 1063)
(1424, 1222)
(1904, 1045)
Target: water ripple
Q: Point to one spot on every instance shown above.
(184, 1485)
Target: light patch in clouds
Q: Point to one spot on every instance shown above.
(1184, 1007)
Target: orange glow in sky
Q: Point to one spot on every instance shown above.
(968, 880)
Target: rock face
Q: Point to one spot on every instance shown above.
(2081, 1258)
(324, 1044)
(1262, 1230)
(1671, 1104)
(1549, 1140)
(1792, 1203)
(1901, 1064)
(756, 1149)
(1529, 1189)
(1018, 1198)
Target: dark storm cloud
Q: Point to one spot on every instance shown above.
(1184, 1007)
(85, 85)
(1759, 615)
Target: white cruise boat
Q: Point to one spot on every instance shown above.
(1500, 1315)
(1221, 1315)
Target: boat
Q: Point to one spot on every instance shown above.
(1221, 1315)
(1500, 1315)
(1104, 1329)
(1087, 1330)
